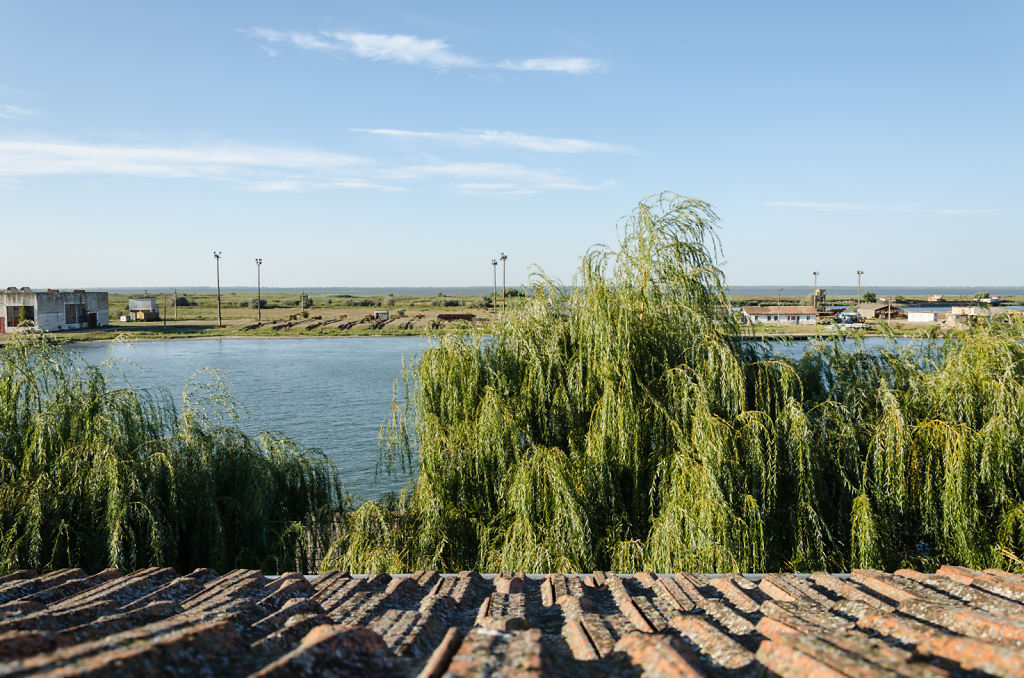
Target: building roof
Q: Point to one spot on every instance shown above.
(875, 305)
(780, 310)
(155, 622)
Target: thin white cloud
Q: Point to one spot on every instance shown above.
(573, 65)
(266, 168)
(8, 111)
(865, 207)
(21, 158)
(412, 50)
(507, 139)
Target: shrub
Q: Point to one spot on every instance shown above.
(96, 475)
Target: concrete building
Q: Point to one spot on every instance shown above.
(52, 310)
(780, 315)
(143, 308)
(922, 316)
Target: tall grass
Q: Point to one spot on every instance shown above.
(618, 423)
(96, 475)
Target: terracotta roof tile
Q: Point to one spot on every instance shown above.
(154, 622)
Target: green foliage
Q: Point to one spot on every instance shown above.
(619, 423)
(869, 297)
(96, 475)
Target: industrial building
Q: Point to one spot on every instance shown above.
(780, 315)
(52, 310)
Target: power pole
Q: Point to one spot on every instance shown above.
(503, 258)
(494, 295)
(259, 302)
(175, 303)
(165, 310)
(814, 292)
(859, 274)
(220, 321)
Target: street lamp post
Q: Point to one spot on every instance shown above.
(259, 296)
(494, 294)
(814, 291)
(220, 322)
(859, 274)
(503, 258)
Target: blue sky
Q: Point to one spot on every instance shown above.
(386, 143)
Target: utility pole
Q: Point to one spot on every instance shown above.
(780, 296)
(859, 274)
(503, 258)
(494, 295)
(175, 303)
(259, 302)
(220, 321)
(814, 292)
(165, 311)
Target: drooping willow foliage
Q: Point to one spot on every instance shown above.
(619, 423)
(95, 475)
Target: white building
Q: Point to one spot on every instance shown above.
(922, 316)
(780, 315)
(52, 310)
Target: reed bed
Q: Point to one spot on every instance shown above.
(94, 474)
(622, 423)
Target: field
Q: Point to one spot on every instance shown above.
(284, 314)
(319, 315)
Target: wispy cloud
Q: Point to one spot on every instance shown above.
(507, 139)
(573, 65)
(21, 158)
(412, 50)
(268, 168)
(867, 207)
(11, 111)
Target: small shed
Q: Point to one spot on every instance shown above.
(922, 316)
(143, 308)
(882, 310)
(381, 315)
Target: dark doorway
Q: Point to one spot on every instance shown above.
(92, 320)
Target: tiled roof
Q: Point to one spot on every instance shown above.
(154, 622)
(780, 310)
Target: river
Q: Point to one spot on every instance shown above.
(332, 393)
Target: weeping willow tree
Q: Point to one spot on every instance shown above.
(95, 475)
(622, 423)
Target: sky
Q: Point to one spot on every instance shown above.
(387, 143)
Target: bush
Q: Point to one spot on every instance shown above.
(870, 297)
(95, 475)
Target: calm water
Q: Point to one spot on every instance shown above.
(331, 393)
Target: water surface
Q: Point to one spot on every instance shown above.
(331, 393)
